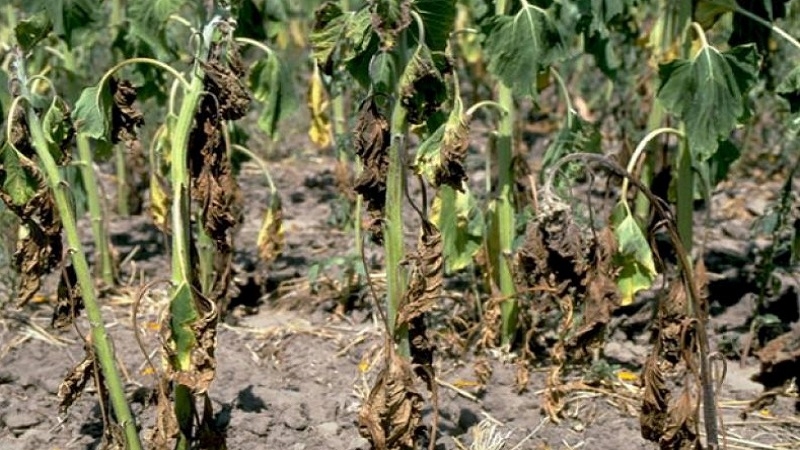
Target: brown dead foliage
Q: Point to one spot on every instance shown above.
(780, 360)
(75, 381)
(673, 423)
(69, 302)
(125, 119)
(424, 291)
(390, 417)
(425, 90)
(565, 274)
(39, 249)
(372, 140)
(451, 171)
(214, 186)
(387, 22)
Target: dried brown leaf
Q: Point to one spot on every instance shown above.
(372, 140)
(390, 417)
(71, 388)
(69, 302)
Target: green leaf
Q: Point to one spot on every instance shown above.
(271, 85)
(429, 155)
(576, 136)
(457, 216)
(635, 258)
(438, 18)
(30, 31)
(69, 16)
(337, 37)
(182, 316)
(440, 157)
(57, 127)
(92, 115)
(707, 12)
(19, 183)
(708, 92)
(789, 89)
(382, 72)
(152, 14)
(519, 47)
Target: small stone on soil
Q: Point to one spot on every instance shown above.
(296, 417)
(328, 429)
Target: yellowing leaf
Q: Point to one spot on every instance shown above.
(635, 258)
(320, 130)
(627, 376)
(159, 203)
(270, 237)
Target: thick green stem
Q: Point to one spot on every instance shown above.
(123, 190)
(94, 203)
(101, 341)
(504, 217)
(393, 230)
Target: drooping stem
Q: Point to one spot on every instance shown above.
(100, 339)
(95, 207)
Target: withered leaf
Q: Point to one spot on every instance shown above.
(69, 302)
(74, 383)
(390, 417)
(372, 140)
(422, 87)
(270, 236)
(389, 18)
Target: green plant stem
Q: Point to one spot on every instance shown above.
(95, 210)
(123, 191)
(100, 339)
(393, 229)
(504, 217)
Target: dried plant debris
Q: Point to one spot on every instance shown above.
(780, 360)
(673, 423)
(391, 416)
(424, 292)
(69, 302)
(125, 119)
(372, 140)
(25, 192)
(71, 388)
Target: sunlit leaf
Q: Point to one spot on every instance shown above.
(338, 35)
(92, 115)
(182, 316)
(270, 236)
(320, 130)
(519, 46)
(57, 127)
(708, 92)
(635, 258)
(707, 12)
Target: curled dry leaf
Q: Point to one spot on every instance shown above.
(422, 87)
(424, 291)
(372, 140)
(455, 143)
(125, 119)
(69, 302)
(74, 383)
(655, 402)
(390, 417)
(389, 18)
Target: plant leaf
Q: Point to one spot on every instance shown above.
(635, 258)
(707, 12)
(335, 31)
(708, 92)
(389, 18)
(422, 87)
(32, 30)
(789, 89)
(320, 129)
(92, 115)
(576, 136)
(271, 85)
(18, 182)
(438, 17)
(458, 217)
(58, 129)
(746, 30)
(270, 236)
(518, 47)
